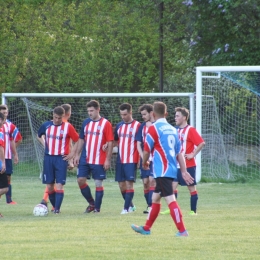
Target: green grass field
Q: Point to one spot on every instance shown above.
(227, 225)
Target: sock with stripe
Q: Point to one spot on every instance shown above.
(99, 196)
(193, 200)
(52, 197)
(46, 194)
(146, 196)
(175, 193)
(8, 195)
(176, 216)
(153, 214)
(86, 192)
(59, 199)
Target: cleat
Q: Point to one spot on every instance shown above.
(166, 212)
(43, 202)
(132, 209)
(140, 229)
(182, 234)
(96, 211)
(89, 209)
(147, 210)
(192, 213)
(56, 211)
(12, 203)
(124, 211)
(52, 209)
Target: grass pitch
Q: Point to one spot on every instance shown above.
(227, 225)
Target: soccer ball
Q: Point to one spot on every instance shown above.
(40, 210)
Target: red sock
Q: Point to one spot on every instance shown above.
(177, 216)
(153, 214)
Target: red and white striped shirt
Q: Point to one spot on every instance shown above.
(190, 139)
(57, 137)
(96, 134)
(8, 128)
(125, 134)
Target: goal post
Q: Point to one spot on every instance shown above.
(29, 110)
(234, 92)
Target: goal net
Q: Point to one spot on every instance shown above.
(228, 99)
(28, 111)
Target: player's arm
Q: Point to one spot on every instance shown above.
(77, 151)
(108, 155)
(139, 149)
(2, 158)
(18, 143)
(145, 163)
(195, 152)
(14, 152)
(186, 176)
(41, 140)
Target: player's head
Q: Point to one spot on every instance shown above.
(67, 109)
(159, 109)
(146, 111)
(58, 113)
(93, 108)
(126, 112)
(181, 115)
(2, 119)
(4, 110)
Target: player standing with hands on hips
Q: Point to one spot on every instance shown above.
(163, 142)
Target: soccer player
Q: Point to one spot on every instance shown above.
(96, 131)
(163, 142)
(57, 135)
(146, 111)
(191, 145)
(10, 131)
(67, 109)
(3, 176)
(128, 157)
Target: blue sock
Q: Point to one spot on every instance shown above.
(52, 198)
(59, 199)
(146, 196)
(8, 195)
(86, 192)
(193, 201)
(99, 196)
(128, 199)
(176, 193)
(151, 190)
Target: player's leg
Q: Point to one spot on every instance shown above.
(83, 173)
(174, 187)
(152, 185)
(3, 186)
(9, 172)
(130, 175)
(98, 174)
(120, 178)
(145, 179)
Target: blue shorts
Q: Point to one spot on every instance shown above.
(191, 171)
(9, 166)
(146, 173)
(54, 169)
(86, 169)
(125, 172)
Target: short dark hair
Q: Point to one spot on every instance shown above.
(3, 107)
(147, 107)
(59, 111)
(2, 116)
(126, 106)
(159, 108)
(184, 111)
(67, 108)
(93, 103)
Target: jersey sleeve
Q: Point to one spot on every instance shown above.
(42, 130)
(195, 137)
(116, 138)
(81, 133)
(109, 136)
(73, 133)
(150, 139)
(139, 134)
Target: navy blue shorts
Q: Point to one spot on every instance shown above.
(9, 166)
(146, 173)
(3, 181)
(164, 186)
(97, 171)
(54, 169)
(125, 172)
(191, 171)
